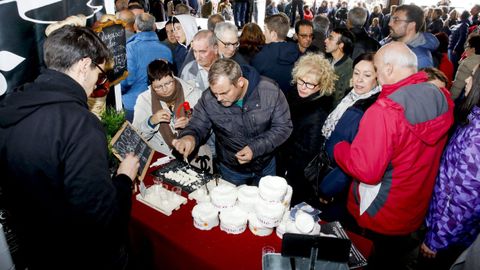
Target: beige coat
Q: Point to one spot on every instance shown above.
(464, 71)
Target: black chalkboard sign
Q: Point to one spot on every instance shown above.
(127, 140)
(112, 33)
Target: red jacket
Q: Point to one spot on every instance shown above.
(307, 15)
(395, 156)
(446, 67)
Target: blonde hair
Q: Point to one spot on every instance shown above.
(317, 65)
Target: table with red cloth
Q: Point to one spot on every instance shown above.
(172, 242)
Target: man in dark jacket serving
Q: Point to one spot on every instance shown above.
(249, 116)
(67, 212)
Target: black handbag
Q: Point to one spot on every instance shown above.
(317, 169)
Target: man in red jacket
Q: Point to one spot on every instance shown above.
(395, 156)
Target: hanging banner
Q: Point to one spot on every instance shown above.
(22, 32)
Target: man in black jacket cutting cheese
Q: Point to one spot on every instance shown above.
(67, 211)
(249, 116)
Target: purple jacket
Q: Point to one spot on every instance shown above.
(454, 214)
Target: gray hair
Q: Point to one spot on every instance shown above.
(206, 34)
(224, 27)
(145, 22)
(357, 16)
(321, 24)
(401, 58)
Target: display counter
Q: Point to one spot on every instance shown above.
(172, 242)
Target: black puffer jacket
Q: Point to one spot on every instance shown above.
(263, 123)
(53, 158)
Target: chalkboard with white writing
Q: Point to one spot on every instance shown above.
(127, 140)
(112, 33)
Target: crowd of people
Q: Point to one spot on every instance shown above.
(390, 99)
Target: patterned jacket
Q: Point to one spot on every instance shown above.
(454, 214)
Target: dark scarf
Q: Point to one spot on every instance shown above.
(178, 97)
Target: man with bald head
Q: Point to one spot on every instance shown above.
(121, 5)
(129, 18)
(395, 155)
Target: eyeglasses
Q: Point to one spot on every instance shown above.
(233, 45)
(162, 86)
(102, 77)
(310, 86)
(396, 19)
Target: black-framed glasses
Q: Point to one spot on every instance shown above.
(102, 77)
(310, 86)
(226, 44)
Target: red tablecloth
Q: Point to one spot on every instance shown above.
(172, 242)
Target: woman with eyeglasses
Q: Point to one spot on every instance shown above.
(315, 79)
(162, 110)
(342, 125)
(454, 213)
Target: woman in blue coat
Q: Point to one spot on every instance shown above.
(342, 125)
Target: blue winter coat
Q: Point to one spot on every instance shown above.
(335, 184)
(423, 45)
(142, 48)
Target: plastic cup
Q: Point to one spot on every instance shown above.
(164, 195)
(177, 190)
(157, 180)
(156, 189)
(165, 186)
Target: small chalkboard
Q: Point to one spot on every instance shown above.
(127, 140)
(112, 33)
